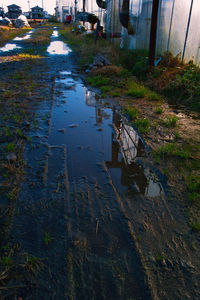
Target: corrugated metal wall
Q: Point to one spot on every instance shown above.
(178, 27)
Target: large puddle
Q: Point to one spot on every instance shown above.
(85, 178)
(96, 134)
(57, 47)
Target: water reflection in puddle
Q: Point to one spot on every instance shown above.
(102, 137)
(9, 47)
(26, 37)
(55, 33)
(58, 48)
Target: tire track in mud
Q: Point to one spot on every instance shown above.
(88, 233)
(103, 263)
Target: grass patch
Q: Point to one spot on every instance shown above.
(133, 113)
(47, 238)
(193, 186)
(135, 90)
(9, 34)
(154, 96)
(195, 226)
(42, 36)
(170, 121)
(173, 150)
(98, 81)
(143, 125)
(105, 89)
(158, 110)
(10, 147)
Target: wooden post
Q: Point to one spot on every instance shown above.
(153, 34)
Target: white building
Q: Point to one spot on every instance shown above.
(64, 8)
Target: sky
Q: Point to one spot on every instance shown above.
(49, 5)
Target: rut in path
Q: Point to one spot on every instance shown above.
(92, 208)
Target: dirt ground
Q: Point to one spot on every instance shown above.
(76, 221)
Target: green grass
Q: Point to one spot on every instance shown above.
(193, 186)
(154, 96)
(47, 238)
(6, 260)
(177, 135)
(173, 150)
(115, 94)
(143, 125)
(195, 226)
(132, 112)
(159, 257)
(98, 81)
(19, 132)
(16, 119)
(6, 35)
(105, 89)
(10, 147)
(170, 121)
(158, 110)
(135, 90)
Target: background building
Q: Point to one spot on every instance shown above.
(1, 12)
(14, 11)
(63, 9)
(37, 12)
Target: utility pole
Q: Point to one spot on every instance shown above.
(153, 34)
(187, 31)
(29, 10)
(75, 2)
(43, 10)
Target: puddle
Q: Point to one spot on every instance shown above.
(26, 37)
(55, 33)
(79, 197)
(58, 48)
(102, 136)
(9, 47)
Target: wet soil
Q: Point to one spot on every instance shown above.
(92, 205)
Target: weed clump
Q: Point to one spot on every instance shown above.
(98, 81)
(143, 125)
(170, 121)
(173, 150)
(195, 226)
(135, 90)
(158, 110)
(133, 113)
(193, 186)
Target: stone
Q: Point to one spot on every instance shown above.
(73, 126)
(63, 130)
(11, 157)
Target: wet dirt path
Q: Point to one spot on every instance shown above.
(92, 206)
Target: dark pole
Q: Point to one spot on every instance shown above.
(187, 31)
(153, 34)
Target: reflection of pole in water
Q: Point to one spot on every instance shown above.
(99, 115)
(127, 137)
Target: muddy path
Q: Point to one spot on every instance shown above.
(92, 207)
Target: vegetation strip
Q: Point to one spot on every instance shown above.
(129, 80)
(21, 87)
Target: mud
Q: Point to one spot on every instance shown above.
(92, 205)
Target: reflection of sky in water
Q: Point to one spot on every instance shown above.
(9, 47)
(58, 48)
(66, 73)
(55, 33)
(26, 37)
